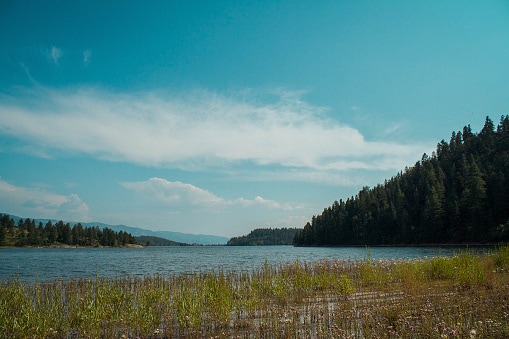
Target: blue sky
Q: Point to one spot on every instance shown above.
(218, 117)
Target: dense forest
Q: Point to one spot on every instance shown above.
(27, 233)
(265, 236)
(149, 240)
(458, 194)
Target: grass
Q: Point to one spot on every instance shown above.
(464, 296)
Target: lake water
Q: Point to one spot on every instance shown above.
(43, 264)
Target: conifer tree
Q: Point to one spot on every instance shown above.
(458, 194)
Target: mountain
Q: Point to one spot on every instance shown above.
(458, 194)
(187, 238)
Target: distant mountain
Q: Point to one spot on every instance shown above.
(187, 238)
(199, 239)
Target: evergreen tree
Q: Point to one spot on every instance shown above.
(458, 194)
(27, 234)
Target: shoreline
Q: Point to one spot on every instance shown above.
(76, 246)
(460, 245)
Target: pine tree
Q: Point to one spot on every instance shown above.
(458, 194)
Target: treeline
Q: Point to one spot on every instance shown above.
(459, 194)
(27, 233)
(149, 240)
(265, 236)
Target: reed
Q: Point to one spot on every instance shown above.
(464, 296)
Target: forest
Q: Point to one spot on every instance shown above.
(148, 240)
(265, 236)
(27, 233)
(459, 194)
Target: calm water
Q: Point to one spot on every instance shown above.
(42, 264)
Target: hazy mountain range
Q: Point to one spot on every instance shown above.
(201, 239)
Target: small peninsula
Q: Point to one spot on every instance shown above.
(265, 237)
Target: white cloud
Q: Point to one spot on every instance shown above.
(196, 131)
(173, 192)
(39, 203)
(75, 207)
(55, 54)
(176, 193)
(259, 201)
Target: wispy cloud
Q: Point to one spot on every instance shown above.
(54, 54)
(27, 72)
(87, 55)
(199, 130)
(391, 129)
(70, 184)
(39, 202)
(176, 193)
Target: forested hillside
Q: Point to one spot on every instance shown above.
(458, 194)
(265, 236)
(27, 233)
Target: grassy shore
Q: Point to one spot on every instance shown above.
(464, 296)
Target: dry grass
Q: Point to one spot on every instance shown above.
(465, 296)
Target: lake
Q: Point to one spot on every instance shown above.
(43, 264)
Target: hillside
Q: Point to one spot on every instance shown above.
(458, 194)
(265, 236)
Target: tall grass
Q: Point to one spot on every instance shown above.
(464, 296)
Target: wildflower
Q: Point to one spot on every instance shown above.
(473, 333)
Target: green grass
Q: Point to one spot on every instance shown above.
(464, 296)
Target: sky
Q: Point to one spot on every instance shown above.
(218, 117)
